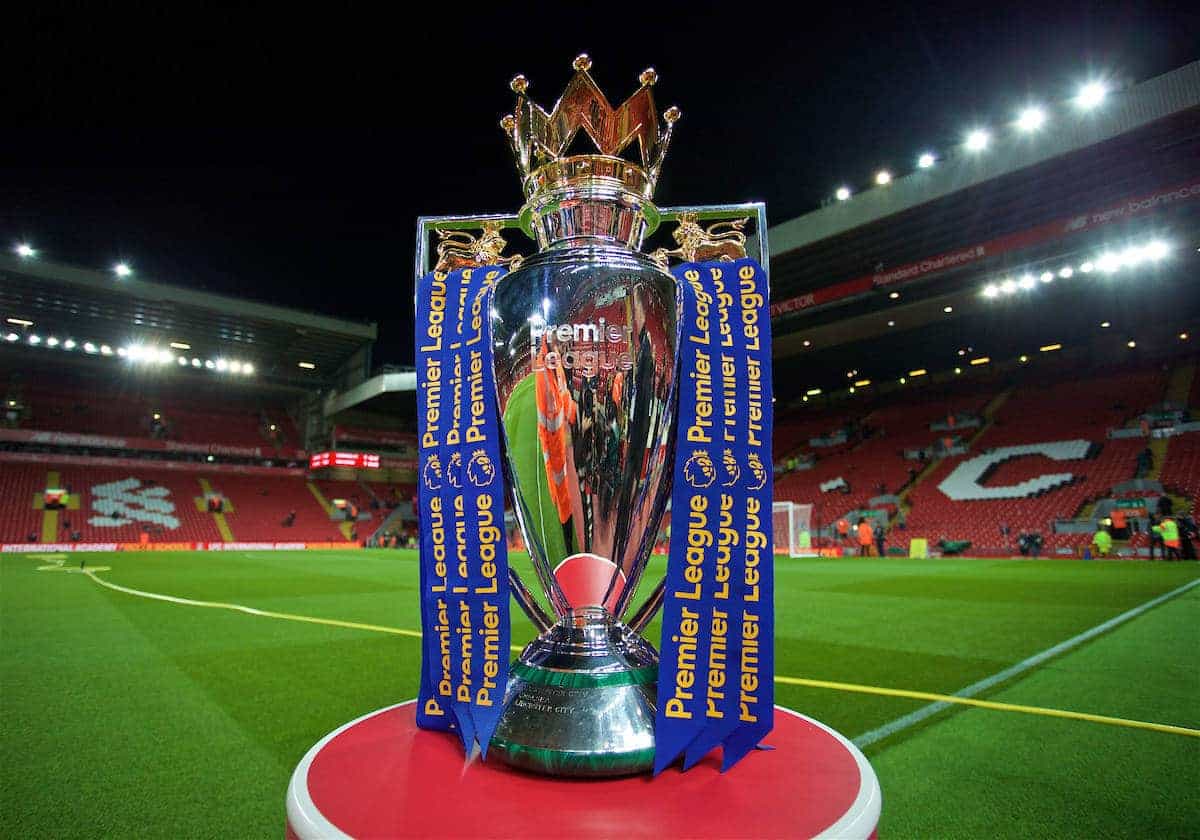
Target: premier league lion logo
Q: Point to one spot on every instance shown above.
(432, 473)
(732, 470)
(757, 471)
(480, 468)
(454, 470)
(699, 470)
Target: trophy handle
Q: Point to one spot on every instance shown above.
(528, 605)
(646, 612)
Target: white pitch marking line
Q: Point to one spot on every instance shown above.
(913, 718)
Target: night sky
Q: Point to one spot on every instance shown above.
(284, 155)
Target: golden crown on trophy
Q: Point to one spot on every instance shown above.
(540, 139)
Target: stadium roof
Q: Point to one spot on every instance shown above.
(1122, 112)
(892, 279)
(40, 300)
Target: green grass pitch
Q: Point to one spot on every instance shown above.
(130, 717)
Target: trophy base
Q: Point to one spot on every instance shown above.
(581, 701)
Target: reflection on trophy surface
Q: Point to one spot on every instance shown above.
(585, 341)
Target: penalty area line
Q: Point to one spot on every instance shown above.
(964, 696)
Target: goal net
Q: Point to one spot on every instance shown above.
(792, 523)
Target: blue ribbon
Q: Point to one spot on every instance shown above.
(715, 683)
(464, 554)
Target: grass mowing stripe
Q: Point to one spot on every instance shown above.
(913, 718)
(943, 699)
(990, 704)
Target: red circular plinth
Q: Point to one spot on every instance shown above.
(380, 776)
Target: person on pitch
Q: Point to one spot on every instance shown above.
(1187, 533)
(1170, 537)
(880, 535)
(1156, 537)
(843, 530)
(866, 536)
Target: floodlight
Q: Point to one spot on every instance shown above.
(977, 140)
(1090, 95)
(1031, 119)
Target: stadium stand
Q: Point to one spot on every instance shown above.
(262, 504)
(1181, 468)
(873, 463)
(82, 411)
(105, 505)
(1043, 455)
(116, 504)
(20, 485)
(1074, 417)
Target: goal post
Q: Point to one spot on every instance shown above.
(793, 529)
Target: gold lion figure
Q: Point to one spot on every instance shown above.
(722, 241)
(459, 249)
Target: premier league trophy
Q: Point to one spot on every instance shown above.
(584, 339)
